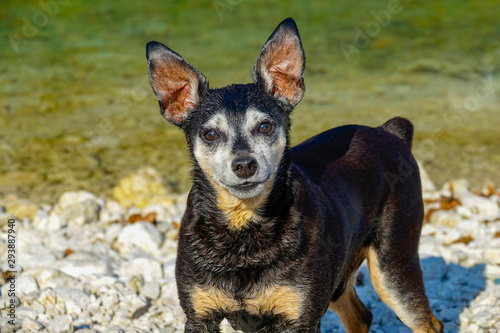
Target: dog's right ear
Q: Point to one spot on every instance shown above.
(279, 69)
(175, 82)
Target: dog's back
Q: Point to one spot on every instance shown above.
(371, 181)
(377, 158)
(363, 170)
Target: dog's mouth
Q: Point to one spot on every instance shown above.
(246, 186)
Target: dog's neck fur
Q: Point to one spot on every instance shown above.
(239, 212)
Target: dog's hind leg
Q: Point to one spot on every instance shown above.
(398, 281)
(354, 315)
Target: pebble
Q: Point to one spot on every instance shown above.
(151, 290)
(142, 188)
(141, 235)
(27, 284)
(84, 269)
(31, 325)
(21, 208)
(149, 269)
(61, 324)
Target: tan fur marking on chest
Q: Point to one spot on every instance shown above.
(205, 301)
(283, 300)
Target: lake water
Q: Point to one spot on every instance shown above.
(77, 112)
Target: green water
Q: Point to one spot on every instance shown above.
(76, 110)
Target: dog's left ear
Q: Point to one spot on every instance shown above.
(279, 69)
(177, 85)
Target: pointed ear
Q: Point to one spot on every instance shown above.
(175, 82)
(279, 69)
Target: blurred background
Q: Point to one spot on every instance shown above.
(77, 111)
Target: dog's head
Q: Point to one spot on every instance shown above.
(237, 134)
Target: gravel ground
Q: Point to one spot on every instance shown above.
(88, 264)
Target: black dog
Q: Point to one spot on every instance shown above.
(272, 236)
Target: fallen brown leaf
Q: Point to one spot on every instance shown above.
(464, 239)
(7, 274)
(150, 217)
(448, 203)
(428, 214)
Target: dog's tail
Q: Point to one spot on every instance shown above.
(400, 127)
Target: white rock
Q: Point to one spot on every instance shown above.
(52, 278)
(445, 217)
(61, 324)
(74, 299)
(113, 232)
(161, 212)
(132, 301)
(150, 269)
(29, 237)
(112, 212)
(37, 306)
(464, 211)
(4, 300)
(75, 208)
(70, 198)
(451, 236)
(45, 221)
(30, 325)
(225, 327)
(151, 290)
(25, 312)
(80, 213)
(459, 186)
(47, 298)
(492, 272)
(169, 269)
(28, 260)
(27, 284)
(94, 284)
(141, 235)
(492, 256)
(142, 188)
(485, 207)
(76, 268)
(34, 248)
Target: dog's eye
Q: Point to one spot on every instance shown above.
(265, 128)
(211, 135)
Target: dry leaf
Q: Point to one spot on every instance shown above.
(464, 239)
(150, 217)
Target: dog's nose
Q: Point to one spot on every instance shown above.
(244, 167)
